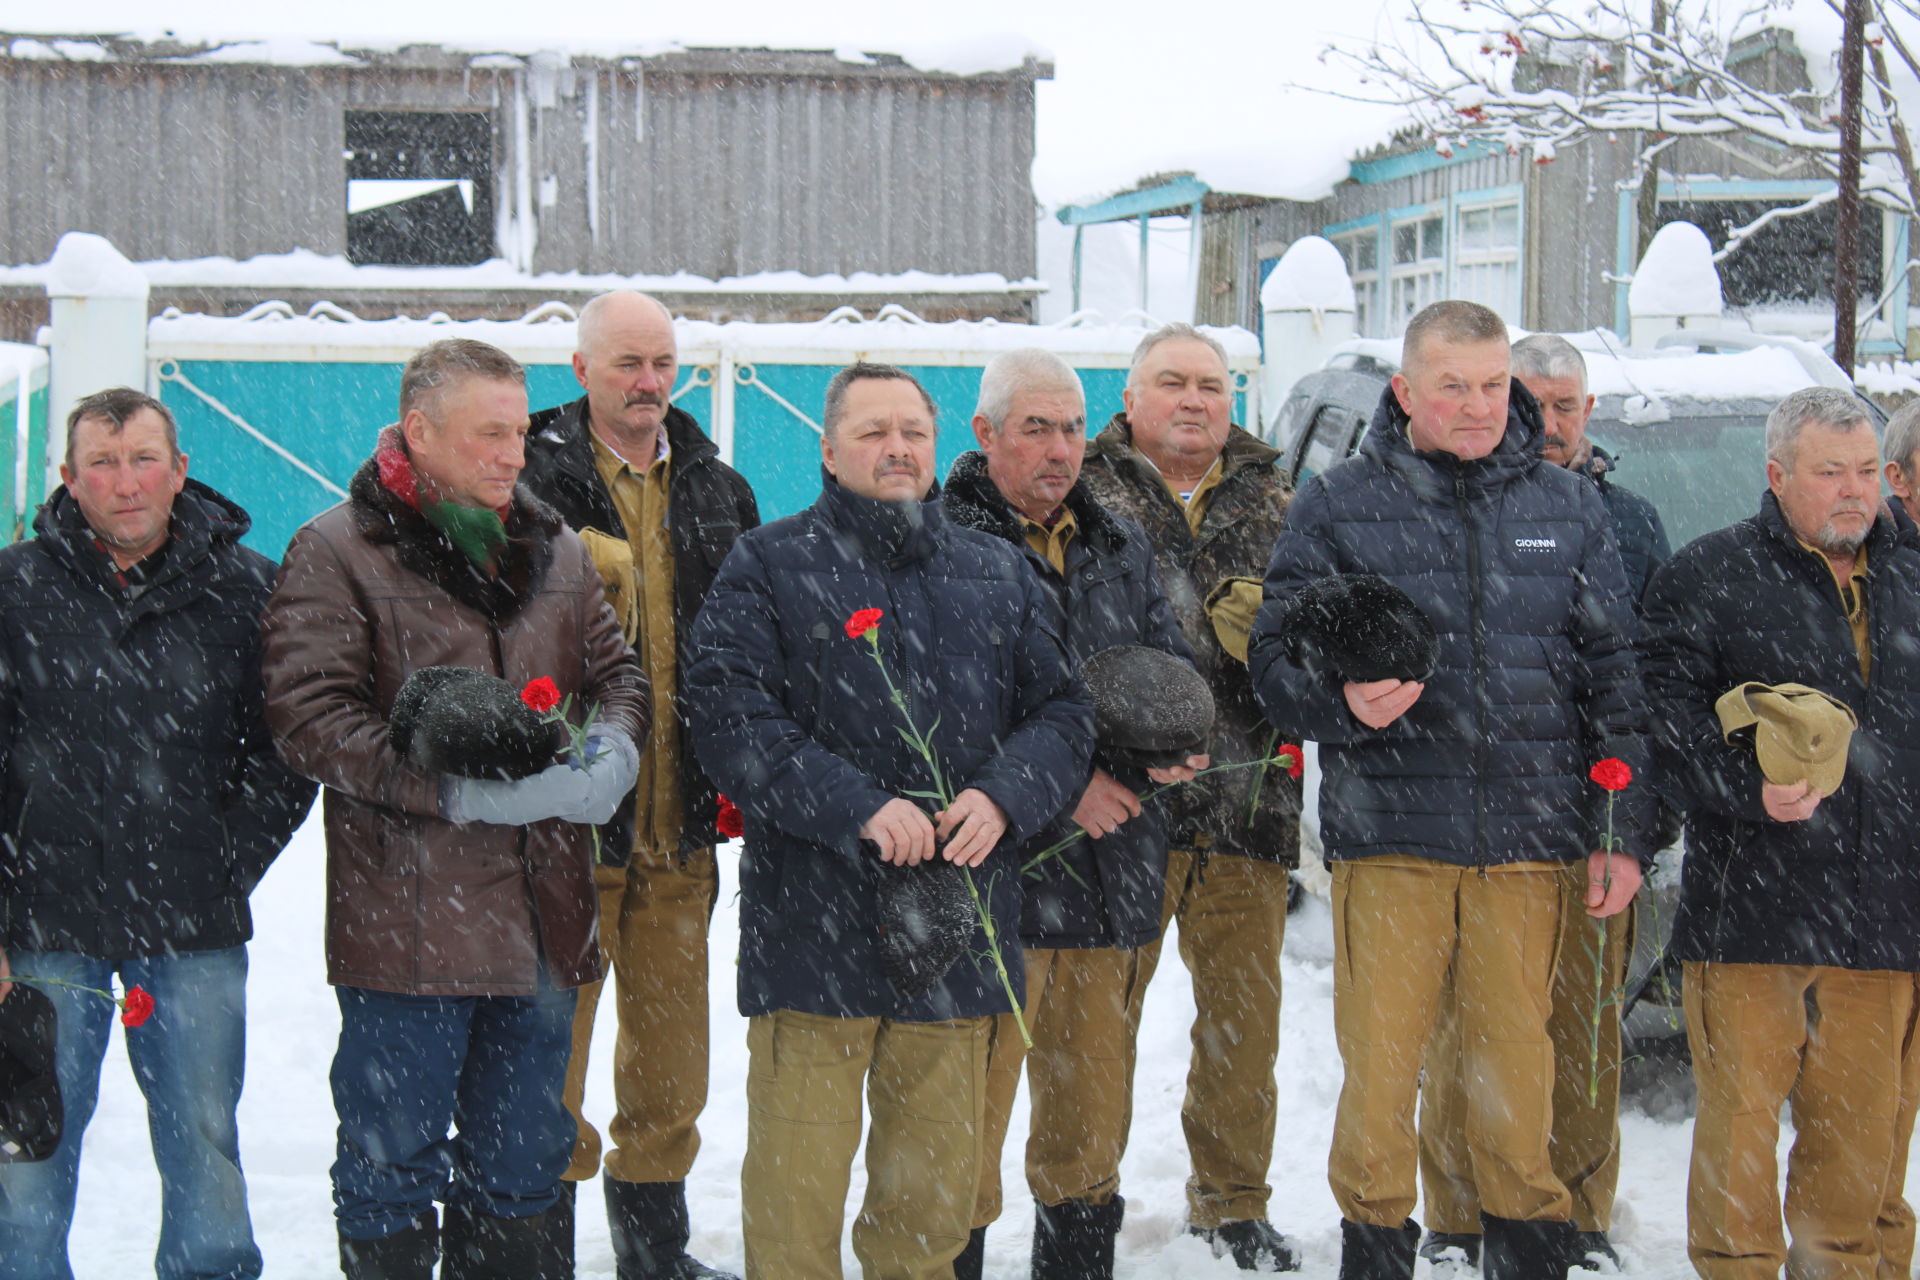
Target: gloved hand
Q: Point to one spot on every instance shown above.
(588, 792)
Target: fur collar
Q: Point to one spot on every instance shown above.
(973, 500)
(382, 518)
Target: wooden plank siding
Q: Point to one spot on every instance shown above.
(713, 162)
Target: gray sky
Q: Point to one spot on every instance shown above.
(1140, 85)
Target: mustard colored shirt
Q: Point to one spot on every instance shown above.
(1853, 597)
(1051, 541)
(1196, 502)
(641, 499)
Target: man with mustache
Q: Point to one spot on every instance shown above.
(1212, 499)
(1090, 909)
(659, 510)
(827, 636)
(1586, 1128)
(1797, 909)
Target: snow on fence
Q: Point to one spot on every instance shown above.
(277, 409)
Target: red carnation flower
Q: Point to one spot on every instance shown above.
(541, 694)
(862, 621)
(1292, 759)
(1612, 773)
(731, 824)
(136, 1008)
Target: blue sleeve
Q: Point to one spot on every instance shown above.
(1300, 703)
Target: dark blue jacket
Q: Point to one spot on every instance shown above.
(143, 796)
(1842, 888)
(1099, 893)
(794, 721)
(1513, 560)
(1637, 527)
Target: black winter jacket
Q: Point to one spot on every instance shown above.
(709, 504)
(143, 797)
(793, 718)
(1842, 888)
(1514, 561)
(1219, 814)
(1637, 527)
(1108, 892)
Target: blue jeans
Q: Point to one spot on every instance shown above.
(411, 1068)
(189, 1059)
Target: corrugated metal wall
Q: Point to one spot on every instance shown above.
(713, 173)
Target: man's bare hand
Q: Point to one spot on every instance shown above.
(1789, 803)
(1104, 805)
(1378, 703)
(1612, 880)
(903, 831)
(970, 827)
(1180, 772)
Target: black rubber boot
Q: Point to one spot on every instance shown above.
(1073, 1240)
(408, 1254)
(479, 1247)
(1514, 1250)
(648, 1221)
(973, 1258)
(1377, 1253)
(1455, 1250)
(1592, 1251)
(1254, 1244)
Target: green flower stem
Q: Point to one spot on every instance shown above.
(1055, 849)
(1260, 778)
(33, 981)
(922, 743)
(1601, 1000)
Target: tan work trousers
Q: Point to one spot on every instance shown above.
(1896, 1225)
(1400, 928)
(1079, 1078)
(926, 1088)
(1755, 1046)
(654, 914)
(1232, 919)
(1585, 1140)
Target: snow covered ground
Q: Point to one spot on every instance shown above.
(287, 1124)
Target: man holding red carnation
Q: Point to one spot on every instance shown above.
(460, 906)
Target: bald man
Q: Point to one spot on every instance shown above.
(648, 492)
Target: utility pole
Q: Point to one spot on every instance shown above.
(1846, 238)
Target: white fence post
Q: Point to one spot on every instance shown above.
(99, 303)
(1307, 308)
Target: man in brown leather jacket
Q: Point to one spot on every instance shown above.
(460, 911)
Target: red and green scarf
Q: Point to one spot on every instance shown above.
(479, 532)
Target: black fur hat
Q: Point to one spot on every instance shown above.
(926, 922)
(1150, 708)
(31, 1116)
(471, 724)
(1359, 627)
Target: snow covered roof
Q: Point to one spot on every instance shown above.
(304, 269)
(987, 55)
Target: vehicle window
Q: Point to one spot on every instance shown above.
(1326, 441)
(1701, 474)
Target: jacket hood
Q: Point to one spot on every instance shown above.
(973, 501)
(1517, 453)
(1241, 450)
(894, 534)
(1882, 534)
(567, 425)
(204, 519)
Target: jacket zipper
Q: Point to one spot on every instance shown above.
(1479, 670)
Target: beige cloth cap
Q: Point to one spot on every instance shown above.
(1799, 733)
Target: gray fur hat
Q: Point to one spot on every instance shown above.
(1150, 708)
(470, 724)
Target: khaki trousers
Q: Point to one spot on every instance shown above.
(1755, 1046)
(1232, 918)
(1079, 1078)
(654, 915)
(1400, 927)
(926, 1088)
(1896, 1225)
(1584, 1143)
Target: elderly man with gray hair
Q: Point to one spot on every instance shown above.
(1091, 907)
(1800, 891)
(1585, 1143)
(1212, 499)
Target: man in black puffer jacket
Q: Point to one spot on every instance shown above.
(144, 801)
(827, 636)
(1088, 913)
(1797, 909)
(1453, 808)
